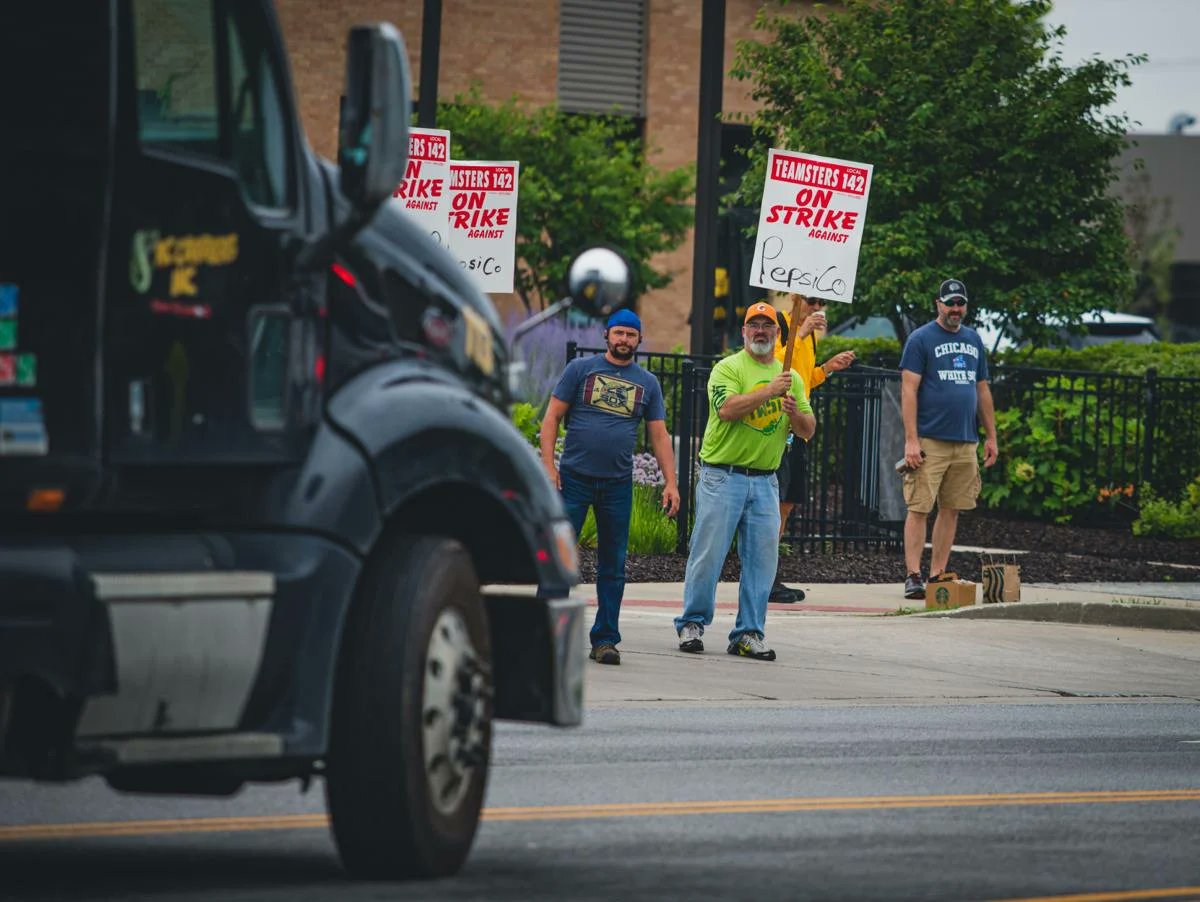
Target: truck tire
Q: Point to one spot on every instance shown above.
(411, 724)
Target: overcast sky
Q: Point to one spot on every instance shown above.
(1168, 31)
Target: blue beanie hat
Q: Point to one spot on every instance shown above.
(625, 318)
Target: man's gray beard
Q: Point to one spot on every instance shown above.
(948, 321)
(761, 346)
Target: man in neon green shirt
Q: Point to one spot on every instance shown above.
(753, 405)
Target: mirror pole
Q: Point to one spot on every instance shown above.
(537, 319)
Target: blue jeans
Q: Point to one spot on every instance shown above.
(728, 503)
(612, 501)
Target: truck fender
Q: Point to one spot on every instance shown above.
(424, 434)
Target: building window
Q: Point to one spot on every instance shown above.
(602, 57)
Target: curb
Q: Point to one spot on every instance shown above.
(1092, 613)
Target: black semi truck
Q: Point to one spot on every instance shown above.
(255, 467)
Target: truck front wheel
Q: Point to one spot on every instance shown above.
(411, 729)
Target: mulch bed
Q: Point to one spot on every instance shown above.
(1055, 554)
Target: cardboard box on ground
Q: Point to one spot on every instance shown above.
(949, 592)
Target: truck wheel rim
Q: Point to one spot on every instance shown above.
(453, 713)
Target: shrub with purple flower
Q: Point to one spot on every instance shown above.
(646, 470)
(543, 351)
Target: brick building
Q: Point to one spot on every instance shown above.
(642, 55)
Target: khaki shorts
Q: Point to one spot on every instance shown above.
(949, 474)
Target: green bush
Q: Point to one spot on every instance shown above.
(1043, 471)
(528, 420)
(1171, 519)
(880, 352)
(650, 530)
(1115, 358)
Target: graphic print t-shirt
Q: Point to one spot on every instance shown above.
(950, 365)
(607, 401)
(756, 440)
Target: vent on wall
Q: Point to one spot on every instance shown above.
(602, 56)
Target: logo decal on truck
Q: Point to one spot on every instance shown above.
(183, 255)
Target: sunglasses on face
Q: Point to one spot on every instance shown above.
(955, 302)
(816, 302)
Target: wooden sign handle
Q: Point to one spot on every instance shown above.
(793, 327)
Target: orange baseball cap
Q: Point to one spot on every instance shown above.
(761, 309)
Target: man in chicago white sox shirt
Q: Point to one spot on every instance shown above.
(944, 397)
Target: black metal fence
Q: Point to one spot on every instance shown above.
(1116, 431)
(1123, 430)
(845, 479)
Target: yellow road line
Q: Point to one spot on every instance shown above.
(645, 809)
(618, 809)
(1130, 895)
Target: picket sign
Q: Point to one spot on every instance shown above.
(483, 221)
(810, 225)
(424, 192)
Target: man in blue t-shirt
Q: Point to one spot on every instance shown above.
(606, 398)
(944, 397)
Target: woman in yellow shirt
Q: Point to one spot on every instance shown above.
(792, 473)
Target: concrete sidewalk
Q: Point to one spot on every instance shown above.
(1153, 605)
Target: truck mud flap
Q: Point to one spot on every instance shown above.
(538, 652)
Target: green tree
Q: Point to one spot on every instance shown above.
(992, 158)
(583, 180)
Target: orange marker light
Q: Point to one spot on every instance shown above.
(45, 501)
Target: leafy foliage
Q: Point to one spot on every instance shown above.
(1052, 445)
(543, 352)
(1119, 358)
(1173, 519)
(992, 159)
(583, 181)
(650, 530)
(527, 419)
(881, 352)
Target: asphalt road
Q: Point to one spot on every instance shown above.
(882, 759)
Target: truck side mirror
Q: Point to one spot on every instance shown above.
(598, 281)
(373, 130)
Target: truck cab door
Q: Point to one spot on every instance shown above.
(211, 341)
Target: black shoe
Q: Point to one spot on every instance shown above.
(605, 654)
(781, 594)
(913, 587)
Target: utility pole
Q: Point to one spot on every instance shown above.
(708, 163)
(431, 48)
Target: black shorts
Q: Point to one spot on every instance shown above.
(793, 472)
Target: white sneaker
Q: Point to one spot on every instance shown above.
(689, 638)
(752, 645)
